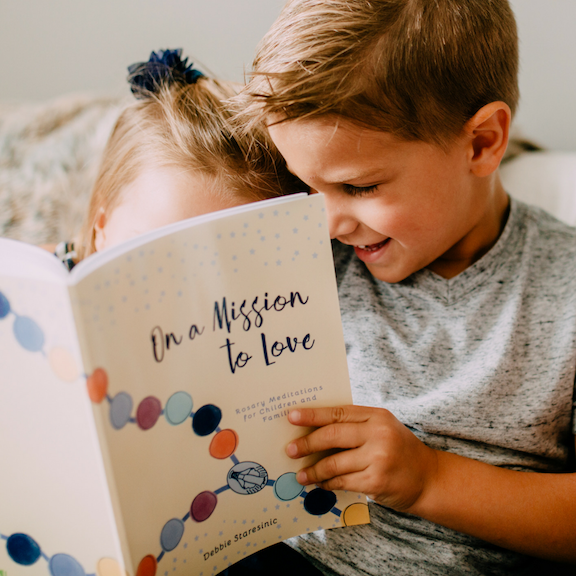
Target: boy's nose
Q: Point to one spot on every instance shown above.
(341, 220)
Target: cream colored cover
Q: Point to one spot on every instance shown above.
(196, 342)
(56, 515)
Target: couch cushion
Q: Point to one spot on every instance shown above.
(49, 154)
(546, 179)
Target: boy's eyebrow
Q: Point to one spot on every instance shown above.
(375, 174)
(371, 176)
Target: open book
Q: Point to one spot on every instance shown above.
(144, 396)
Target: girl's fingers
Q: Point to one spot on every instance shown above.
(343, 436)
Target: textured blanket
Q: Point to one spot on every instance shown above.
(49, 154)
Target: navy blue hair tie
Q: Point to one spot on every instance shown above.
(164, 67)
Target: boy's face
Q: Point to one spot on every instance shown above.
(403, 205)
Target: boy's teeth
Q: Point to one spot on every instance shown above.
(372, 247)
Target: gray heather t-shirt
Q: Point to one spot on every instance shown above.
(482, 365)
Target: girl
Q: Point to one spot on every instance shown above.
(172, 155)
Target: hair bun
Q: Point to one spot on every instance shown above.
(164, 67)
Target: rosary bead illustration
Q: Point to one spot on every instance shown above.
(244, 478)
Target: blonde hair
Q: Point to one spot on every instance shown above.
(416, 68)
(185, 126)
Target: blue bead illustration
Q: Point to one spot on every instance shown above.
(4, 306)
(23, 549)
(28, 334)
(171, 534)
(319, 501)
(206, 419)
(287, 488)
(64, 565)
(120, 410)
(178, 408)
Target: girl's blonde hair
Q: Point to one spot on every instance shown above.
(416, 68)
(186, 126)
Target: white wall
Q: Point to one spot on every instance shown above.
(547, 110)
(50, 47)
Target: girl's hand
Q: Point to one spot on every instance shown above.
(381, 457)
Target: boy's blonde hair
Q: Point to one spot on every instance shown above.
(416, 68)
(186, 126)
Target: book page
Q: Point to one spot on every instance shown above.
(23, 260)
(55, 512)
(204, 340)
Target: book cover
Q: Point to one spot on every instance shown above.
(179, 355)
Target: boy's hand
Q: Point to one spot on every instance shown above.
(381, 457)
(530, 512)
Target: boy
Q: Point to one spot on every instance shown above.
(457, 302)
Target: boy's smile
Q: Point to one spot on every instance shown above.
(403, 205)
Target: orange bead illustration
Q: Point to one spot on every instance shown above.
(97, 384)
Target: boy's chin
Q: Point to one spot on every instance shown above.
(388, 274)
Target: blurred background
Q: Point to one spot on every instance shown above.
(50, 48)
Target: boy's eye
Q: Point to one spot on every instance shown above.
(359, 190)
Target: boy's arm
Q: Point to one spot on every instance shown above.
(533, 513)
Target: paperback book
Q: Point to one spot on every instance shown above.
(144, 395)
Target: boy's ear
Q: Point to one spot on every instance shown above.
(487, 134)
(99, 233)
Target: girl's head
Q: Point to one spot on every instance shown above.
(173, 155)
(417, 69)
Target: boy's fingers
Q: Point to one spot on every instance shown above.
(352, 482)
(342, 436)
(324, 416)
(334, 466)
